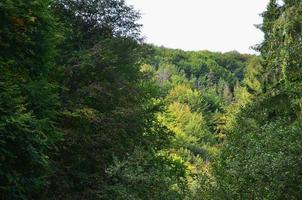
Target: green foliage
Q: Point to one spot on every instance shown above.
(261, 158)
(146, 176)
(89, 112)
(109, 104)
(28, 100)
(23, 144)
(27, 37)
(253, 78)
(207, 67)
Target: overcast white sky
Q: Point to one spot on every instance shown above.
(216, 25)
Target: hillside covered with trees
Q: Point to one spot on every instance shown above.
(89, 111)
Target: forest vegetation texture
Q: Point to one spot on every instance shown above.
(89, 111)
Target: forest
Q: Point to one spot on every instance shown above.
(89, 111)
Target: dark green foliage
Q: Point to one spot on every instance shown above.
(207, 67)
(108, 105)
(108, 115)
(262, 155)
(28, 101)
(89, 112)
(88, 21)
(146, 176)
(27, 37)
(23, 144)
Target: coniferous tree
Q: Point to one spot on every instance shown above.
(261, 158)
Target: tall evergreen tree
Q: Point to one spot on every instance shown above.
(262, 156)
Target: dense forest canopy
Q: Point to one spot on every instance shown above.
(90, 111)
